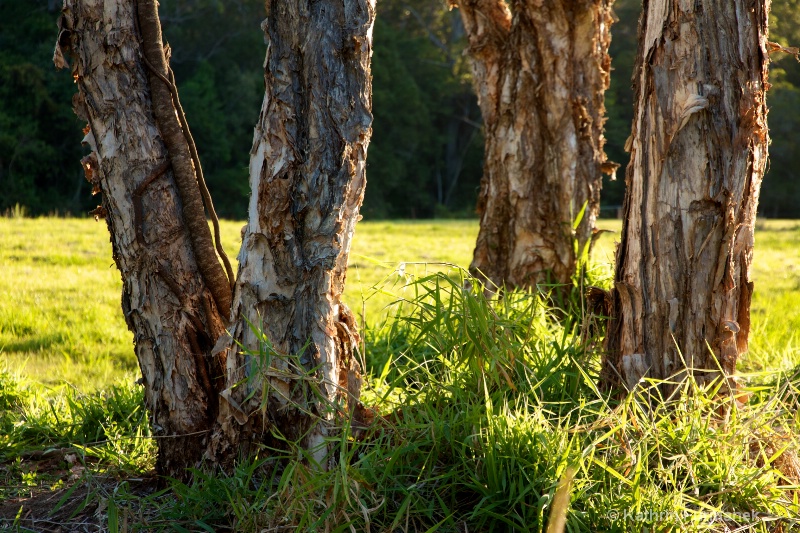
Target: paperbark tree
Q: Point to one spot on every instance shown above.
(213, 400)
(698, 152)
(540, 70)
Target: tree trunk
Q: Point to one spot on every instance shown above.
(307, 176)
(167, 305)
(698, 152)
(540, 70)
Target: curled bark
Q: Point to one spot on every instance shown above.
(165, 299)
(307, 176)
(298, 372)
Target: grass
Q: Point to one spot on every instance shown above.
(775, 335)
(60, 319)
(60, 313)
(484, 408)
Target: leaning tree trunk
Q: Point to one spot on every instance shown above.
(308, 182)
(167, 303)
(307, 176)
(540, 70)
(698, 152)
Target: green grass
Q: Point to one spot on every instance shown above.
(775, 333)
(60, 313)
(60, 318)
(484, 407)
(50, 437)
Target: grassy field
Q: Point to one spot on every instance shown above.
(60, 317)
(488, 408)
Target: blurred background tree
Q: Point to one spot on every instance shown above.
(780, 193)
(425, 158)
(39, 150)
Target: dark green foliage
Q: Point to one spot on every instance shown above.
(425, 155)
(619, 100)
(217, 55)
(396, 166)
(780, 194)
(40, 137)
(784, 28)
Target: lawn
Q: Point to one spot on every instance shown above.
(60, 317)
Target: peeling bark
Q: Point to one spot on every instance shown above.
(307, 176)
(698, 153)
(166, 302)
(212, 400)
(540, 70)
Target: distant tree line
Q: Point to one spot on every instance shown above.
(425, 158)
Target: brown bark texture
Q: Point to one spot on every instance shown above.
(698, 152)
(540, 69)
(167, 304)
(176, 137)
(290, 368)
(307, 177)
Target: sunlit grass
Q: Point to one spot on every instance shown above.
(60, 312)
(775, 312)
(483, 407)
(61, 320)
